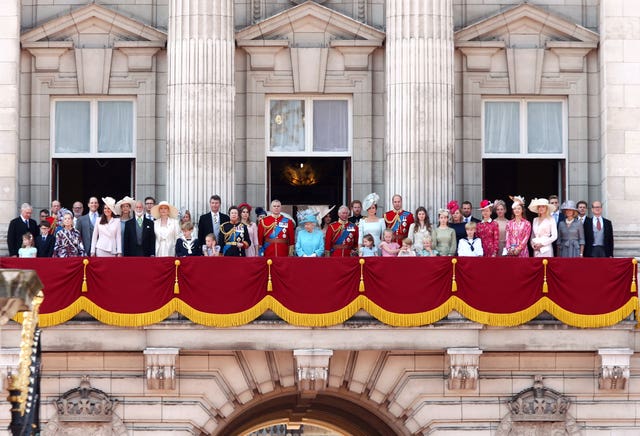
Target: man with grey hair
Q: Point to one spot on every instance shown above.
(18, 227)
(341, 239)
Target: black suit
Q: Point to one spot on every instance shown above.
(45, 248)
(17, 229)
(205, 225)
(607, 239)
(131, 247)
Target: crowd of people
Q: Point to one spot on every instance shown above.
(131, 227)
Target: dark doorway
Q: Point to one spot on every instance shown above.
(309, 181)
(79, 179)
(529, 178)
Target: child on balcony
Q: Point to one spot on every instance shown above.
(407, 248)
(210, 248)
(471, 245)
(27, 250)
(388, 248)
(368, 248)
(186, 245)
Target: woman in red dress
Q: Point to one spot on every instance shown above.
(487, 230)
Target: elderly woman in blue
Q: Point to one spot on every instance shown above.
(310, 241)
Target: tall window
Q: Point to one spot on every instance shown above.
(90, 127)
(524, 128)
(309, 126)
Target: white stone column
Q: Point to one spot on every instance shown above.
(9, 113)
(201, 94)
(419, 145)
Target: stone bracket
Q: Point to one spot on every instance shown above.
(160, 364)
(614, 369)
(9, 360)
(312, 369)
(464, 364)
(139, 53)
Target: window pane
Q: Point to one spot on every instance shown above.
(544, 127)
(330, 125)
(502, 127)
(287, 125)
(72, 127)
(115, 127)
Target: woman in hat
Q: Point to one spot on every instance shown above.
(107, 236)
(456, 220)
(443, 237)
(125, 206)
(310, 241)
(233, 237)
(500, 208)
(487, 230)
(68, 241)
(518, 231)
(544, 231)
(166, 227)
(570, 232)
(371, 224)
(245, 218)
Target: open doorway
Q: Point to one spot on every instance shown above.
(529, 178)
(79, 179)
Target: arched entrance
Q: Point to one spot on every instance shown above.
(330, 410)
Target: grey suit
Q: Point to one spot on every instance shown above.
(84, 226)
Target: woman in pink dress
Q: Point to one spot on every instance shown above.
(545, 231)
(245, 218)
(518, 231)
(487, 230)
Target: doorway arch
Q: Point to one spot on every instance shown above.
(333, 410)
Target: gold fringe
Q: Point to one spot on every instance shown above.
(316, 319)
(361, 287)
(224, 320)
(85, 262)
(454, 285)
(590, 321)
(634, 286)
(407, 319)
(176, 286)
(497, 319)
(545, 286)
(269, 283)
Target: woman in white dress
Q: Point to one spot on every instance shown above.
(245, 218)
(166, 227)
(371, 224)
(543, 231)
(421, 228)
(107, 236)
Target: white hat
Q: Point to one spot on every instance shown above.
(110, 202)
(173, 211)
(533, 206)
(126, 199)
(370, 200)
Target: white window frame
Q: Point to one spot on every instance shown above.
(93, 128)
(524, 153)
(308, 111)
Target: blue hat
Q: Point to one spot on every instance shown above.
(260, 212)
(307, 216)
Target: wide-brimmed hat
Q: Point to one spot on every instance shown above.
(533, 206)
(110, 202)
(173, 211)
(485, 204)
(569, 205)
(128, 200)
(370, 200)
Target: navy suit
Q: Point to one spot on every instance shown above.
(607, 238)
(205, 225)
(131, 247)
(17, 229)
(45, 247)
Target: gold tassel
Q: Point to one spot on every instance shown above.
(85, 262)
(361, 287)
(269, 283)
(545, 286)
(454, 285)
(634, 285)
(176, 286)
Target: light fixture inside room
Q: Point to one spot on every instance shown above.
(300, 175)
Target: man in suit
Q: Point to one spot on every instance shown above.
(467, 210)
(210, 222)
(86, 223)
(18, 227)
(45, 242)
(149, 202)
(598, 234)
(582, 210)
(139, 236)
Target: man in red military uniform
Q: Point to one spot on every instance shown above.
(276, 233)
(398, 220)
(341, 239)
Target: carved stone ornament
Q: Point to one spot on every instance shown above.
(464, 364)
(614, 368)
(160, 366)
(312, 369)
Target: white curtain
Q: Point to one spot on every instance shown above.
(544, 127)
(287, 125)
(72, 126)
(501, 127)
(115, 127)
(330, 125)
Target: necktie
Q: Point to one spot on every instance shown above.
(215, 218)
(598, 225)
(139, 221)
(26, 223)
(93, 218)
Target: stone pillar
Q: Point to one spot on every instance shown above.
(201, 95)
(419, 160)
(9, 113)
(619, 157)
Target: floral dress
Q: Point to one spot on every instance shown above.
(518, 233)
(489, 234)
(68, 244)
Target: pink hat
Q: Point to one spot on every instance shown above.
(453, 206)
(485, 204)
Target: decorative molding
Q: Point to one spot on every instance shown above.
(539, 403)
(85, 403)
(160, 364)
(47, 53)
(139, 53)
(355, 53)
(262, 52)
(312, 370)
(9, 360)
(309, 67)
(464, 365)
(614, 368)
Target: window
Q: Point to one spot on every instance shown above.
(91, 127)
(309, 126)
(524, 128)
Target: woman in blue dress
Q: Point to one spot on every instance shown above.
(310, 240)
